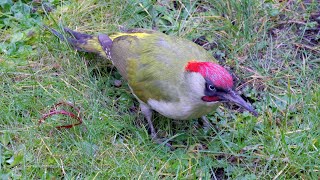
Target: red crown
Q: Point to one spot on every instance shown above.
(219, 76)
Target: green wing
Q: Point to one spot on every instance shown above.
(153, 63)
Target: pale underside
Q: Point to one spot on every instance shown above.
(188, 106)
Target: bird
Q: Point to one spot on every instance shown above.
(170, 75)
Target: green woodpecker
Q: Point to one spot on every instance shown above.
(170, 75)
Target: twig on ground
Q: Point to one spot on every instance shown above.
(54, 111)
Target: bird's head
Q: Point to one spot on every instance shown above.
(213, 83)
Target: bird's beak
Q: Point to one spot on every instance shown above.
(232, 96)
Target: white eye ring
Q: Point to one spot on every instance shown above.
(211, 87)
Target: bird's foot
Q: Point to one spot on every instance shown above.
(162, 141)
(206, 124)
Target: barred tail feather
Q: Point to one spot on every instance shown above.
(86, 42)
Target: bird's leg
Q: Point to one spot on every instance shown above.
(147, 112)
(206, 124)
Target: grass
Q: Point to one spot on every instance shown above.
(271, 46)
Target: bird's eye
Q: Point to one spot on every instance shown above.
(211, 87)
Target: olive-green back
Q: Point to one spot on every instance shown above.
(153, 63)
